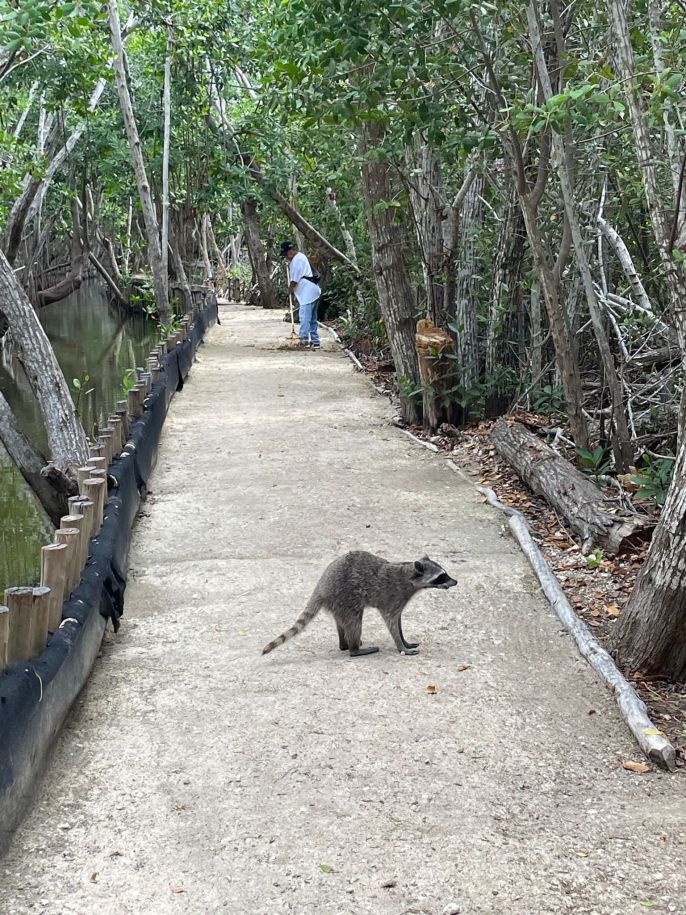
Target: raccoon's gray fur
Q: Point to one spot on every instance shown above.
(358, 580)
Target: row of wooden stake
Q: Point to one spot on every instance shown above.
(31, 613)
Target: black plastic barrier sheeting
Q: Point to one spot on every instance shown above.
(36, 695)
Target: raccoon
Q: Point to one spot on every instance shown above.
(358, 580)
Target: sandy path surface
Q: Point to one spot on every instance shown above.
(195, 776)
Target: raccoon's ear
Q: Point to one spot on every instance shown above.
(418, 569)
(426, 557)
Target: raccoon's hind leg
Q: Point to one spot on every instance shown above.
(342, 642)
(353, 635)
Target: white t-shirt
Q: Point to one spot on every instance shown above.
(305, 291)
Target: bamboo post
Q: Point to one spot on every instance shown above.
(146, 379)
(69, 536)
(96, 491)
(96, 449)
(53, 575)
(4, 636)
(39, 620)
(20, 604)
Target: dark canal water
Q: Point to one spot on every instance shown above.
(89, 337)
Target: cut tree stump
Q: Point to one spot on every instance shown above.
(589, 513)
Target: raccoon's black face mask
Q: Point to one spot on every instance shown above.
(430, 575)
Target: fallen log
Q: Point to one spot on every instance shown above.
(589, 513)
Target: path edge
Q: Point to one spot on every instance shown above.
(37, 695)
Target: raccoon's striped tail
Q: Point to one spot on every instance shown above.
(313, 607)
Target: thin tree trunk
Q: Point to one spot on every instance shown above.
(66, 438)
(394, 289)
(256, 253)
(179, 269)
(149, 215)
(467, 293)
(165, 158)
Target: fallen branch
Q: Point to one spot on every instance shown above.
(632, 709)
(583, 506)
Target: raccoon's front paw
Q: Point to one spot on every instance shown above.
(410, 649)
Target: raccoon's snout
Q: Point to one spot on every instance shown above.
(443, 582)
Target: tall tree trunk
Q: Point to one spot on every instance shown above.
(66, 438)
(149, 215)
(256, 253)
(166, 134)
(564, 159)
(396, 298)
(467, 293)
(650, 631)
(505, 286)
(427, 196)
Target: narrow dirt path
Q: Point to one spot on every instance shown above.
(196, 776)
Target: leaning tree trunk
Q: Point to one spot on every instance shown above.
(650, 630)
(159, 277)
(390, 271)
(256, 253)
(66, 438)
(50, 486)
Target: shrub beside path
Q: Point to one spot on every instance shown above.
(196, 776)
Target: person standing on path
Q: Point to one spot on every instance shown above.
(306, 291)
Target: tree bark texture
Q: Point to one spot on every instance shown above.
(577, 499)
(66, 438)
(256, 252)
(651, 630)
(159, 277)
(396, 299)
